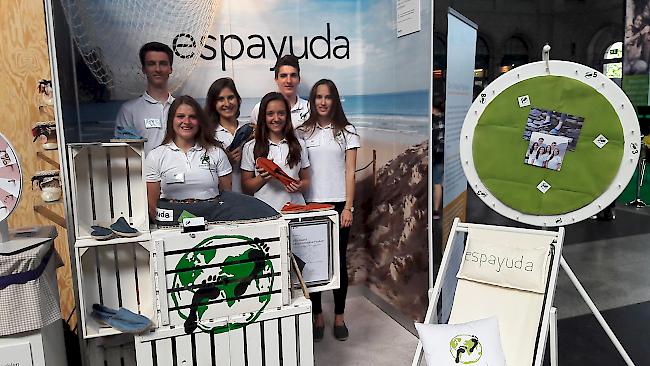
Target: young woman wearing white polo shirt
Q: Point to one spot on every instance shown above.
(222, 106)
(190, 164)
(275, 140)
(332, 144)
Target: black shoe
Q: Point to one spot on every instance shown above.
(341, 332)
(319, 333)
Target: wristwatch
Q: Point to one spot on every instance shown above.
(351, 209)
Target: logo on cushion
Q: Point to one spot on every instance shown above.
(465, 349)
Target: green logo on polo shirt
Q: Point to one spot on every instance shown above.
(465, 349)
(212, 274)
(205, 159)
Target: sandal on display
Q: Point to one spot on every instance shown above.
(293, 208)
(122, 228)
(123, 320)
(241, 136)
(125, 134)
(101, 233)
(274, 170)
(314, 206)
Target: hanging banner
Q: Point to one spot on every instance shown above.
(384, 92)
(461, 50)
(636, 52)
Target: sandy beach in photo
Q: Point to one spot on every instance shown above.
(388, 145)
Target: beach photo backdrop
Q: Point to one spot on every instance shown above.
(384, 83)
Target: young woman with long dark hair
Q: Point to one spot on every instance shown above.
(222, 106)
(332, 144)
(275, 140)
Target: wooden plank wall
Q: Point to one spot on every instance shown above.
(23, 62)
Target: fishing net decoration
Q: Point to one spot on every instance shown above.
(109, 33)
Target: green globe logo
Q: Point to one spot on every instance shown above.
(226, 280)
(465, 349)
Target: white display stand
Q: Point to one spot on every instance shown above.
(281, 336)
(165, 275)
(530, 331)
(632, 143)
(43, 347)
(40, 347)
(115, 275)
(331, 260)
(224, 242)
(29, 346)
(107, 183)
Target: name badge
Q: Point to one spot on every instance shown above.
(312, 142)
(179, 178)
(164, 215)
(152, 123)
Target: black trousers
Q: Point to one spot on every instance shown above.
(341, 293)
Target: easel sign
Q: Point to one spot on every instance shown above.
(314, 241)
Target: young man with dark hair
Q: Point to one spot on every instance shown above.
(287, 77)
(146, 115)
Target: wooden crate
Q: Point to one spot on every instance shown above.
(281, 336)
(115, 275)
(107, 183)
(310, 223)
(116, 350)
(227, 270)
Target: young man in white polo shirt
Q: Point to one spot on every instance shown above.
(147, 114)
(287, 77)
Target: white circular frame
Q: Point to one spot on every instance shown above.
(599, 82)
(4, 213)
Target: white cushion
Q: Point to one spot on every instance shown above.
(506, 263)
(475, 343)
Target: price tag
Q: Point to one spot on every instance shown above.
(524, 101)
(543, 186)
(601, 141)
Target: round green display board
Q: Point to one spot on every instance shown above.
(499, 147)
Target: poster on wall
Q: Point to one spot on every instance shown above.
(636, 51)
(461, 49)
(382, 91)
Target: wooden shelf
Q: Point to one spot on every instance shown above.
(41, 155)
(43, 210)
(90, 242)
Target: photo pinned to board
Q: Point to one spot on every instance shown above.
(546, 151)
(554, 123)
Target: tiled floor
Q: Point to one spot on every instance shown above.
(375, 339)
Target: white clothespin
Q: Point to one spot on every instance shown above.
(546, 54)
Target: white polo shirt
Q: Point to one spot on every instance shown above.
(146, 116)
(299, 113)
(195, 175)
(327, 157)
(273, 192)
(225, 137)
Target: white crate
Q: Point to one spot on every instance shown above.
(107, 183)
(280, 336)
(111, 351)
(41, 347)
(322, 221)
(203, 266)
(115, 275)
